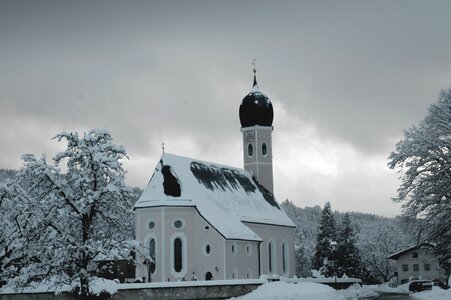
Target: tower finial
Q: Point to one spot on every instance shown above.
(254, 61)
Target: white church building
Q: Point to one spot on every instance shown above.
(208, 221)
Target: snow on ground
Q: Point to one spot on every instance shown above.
(287, 291)
(436, 294)
(306, 290)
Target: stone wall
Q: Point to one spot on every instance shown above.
(155, 293)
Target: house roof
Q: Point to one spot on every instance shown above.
(225, 196)
(414, 248)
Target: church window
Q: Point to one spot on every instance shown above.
(284, 257)
(207, 249)
(234, 248)
(151, 224)
(271, 258)
(178, 261)
(264, 149)
(250, 150)
(178, 224)
(152, 251)
(249, 249)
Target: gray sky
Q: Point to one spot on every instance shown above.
(345, 79)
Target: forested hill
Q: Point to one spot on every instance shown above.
(6, 174)
(376, 238)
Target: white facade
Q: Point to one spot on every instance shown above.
(417, 262)
(220, 228)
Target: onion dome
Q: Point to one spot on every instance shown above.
(256, 109)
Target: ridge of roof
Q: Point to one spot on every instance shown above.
(396, 255)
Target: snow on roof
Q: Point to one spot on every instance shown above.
(414, 248)
(225, 196)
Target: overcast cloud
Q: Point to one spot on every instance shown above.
(345, 78)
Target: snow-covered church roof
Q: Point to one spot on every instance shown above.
(225, 196)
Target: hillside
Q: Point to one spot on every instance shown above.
(376, 236)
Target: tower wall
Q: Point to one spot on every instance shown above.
(257, 154)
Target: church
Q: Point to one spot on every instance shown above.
(207, 221)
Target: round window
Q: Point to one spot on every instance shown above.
(178, 224)
(151, 225)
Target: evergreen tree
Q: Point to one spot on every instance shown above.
(327, 233)
(347, 256)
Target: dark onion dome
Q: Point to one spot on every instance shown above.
(256, 109)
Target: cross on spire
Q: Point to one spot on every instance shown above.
(162, 147)
(254, 61)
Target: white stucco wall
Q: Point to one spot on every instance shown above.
(195, 234)
(425, 256)
(277, 235)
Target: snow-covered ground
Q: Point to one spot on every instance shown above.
(436, 294)
(305, 290)
(308, 290)
(268, 291)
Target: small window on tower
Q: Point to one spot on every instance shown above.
(264, 149)
(250, 150)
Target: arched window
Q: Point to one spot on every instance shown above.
(208, 276)
(152, 251)
(234, 248)
(178, 262)
(270, 256)
(264, 149)
(284, 257)
(250, 150)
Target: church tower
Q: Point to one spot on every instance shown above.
(256, 116)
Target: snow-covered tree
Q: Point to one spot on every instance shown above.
(12, 226)
(423, 158)
(82, 215)
(376, 242)
(7, 174)
(348, 256)
(327, 233)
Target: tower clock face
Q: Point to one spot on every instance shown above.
(249, 136)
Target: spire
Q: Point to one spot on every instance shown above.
(255, 73)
